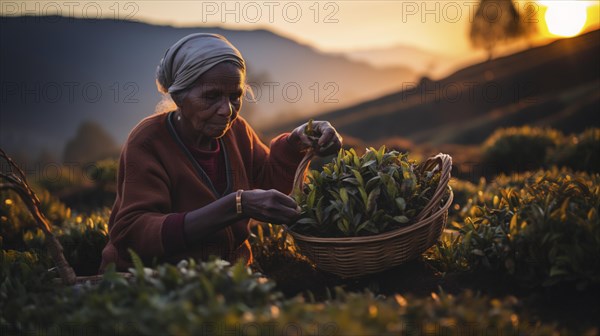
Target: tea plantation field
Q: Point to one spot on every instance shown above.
(520, 256)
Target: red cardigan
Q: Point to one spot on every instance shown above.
(157, 177)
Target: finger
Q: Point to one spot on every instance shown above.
(287, 216)
(326, 136)
(288, 202)
(305, 140)
(332, 148)
(282, 215)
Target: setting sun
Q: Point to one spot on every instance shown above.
(565, 18)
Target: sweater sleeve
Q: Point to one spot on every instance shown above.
(173, 235)
(142, 205)
(273, 167)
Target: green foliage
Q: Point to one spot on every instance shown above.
(519, 149)
(542, 229)
(463, 191)
(66, 177)
(20, 267)
(16, 220)
(448, 254)
(104, 172)
(82, 236)
(271, 246)
(579, 152)
(25, 288)
(528, 148)
(168, 300)
(71, 178)
(363, 195)
(275, 256)
(215, 298)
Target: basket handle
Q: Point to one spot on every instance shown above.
(299, 176)
(443, 163)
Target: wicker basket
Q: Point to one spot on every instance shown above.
(356, 256)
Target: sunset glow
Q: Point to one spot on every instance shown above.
(334, 26)
(565, 18)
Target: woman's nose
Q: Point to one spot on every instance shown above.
(226, 108)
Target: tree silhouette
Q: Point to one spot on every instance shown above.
(497, 21)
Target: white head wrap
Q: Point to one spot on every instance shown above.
(192, 56)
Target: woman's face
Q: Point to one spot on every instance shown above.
(214, 102)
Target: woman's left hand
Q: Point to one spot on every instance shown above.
(329, 141)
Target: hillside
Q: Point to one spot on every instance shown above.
(420, 60)
(58, 72)
(555, 85)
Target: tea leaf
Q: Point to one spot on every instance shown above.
(384, 184)
(401, 219)
(373, 182)
(400, 203)
(358, 176)
(372, 200)
(364, 196)
(137, 263)
(344, 195)
(310, 201)
(309, 130)
(306, 221)
(513, 224)
(362, 226)
(343, 226)
(368, 163)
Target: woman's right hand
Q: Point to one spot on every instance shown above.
(269, 206)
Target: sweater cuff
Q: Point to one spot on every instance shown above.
(173, 237)
(287, 154)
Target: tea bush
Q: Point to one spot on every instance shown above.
(104, 172)
(542, 229)
(463, 191)
(275, 255)
(579, 152)
(519, 149)
(216, 298)
(528, 148)
(16, 221)
(82, 236)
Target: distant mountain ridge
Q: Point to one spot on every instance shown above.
(556, 85)
(59, 72)
(420, 60)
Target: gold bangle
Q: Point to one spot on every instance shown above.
(238, 201)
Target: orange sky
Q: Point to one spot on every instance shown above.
(328, 25)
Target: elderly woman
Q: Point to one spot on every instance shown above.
(189, 180)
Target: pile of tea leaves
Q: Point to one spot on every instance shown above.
(363, 195)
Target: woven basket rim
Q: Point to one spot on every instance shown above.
(378, 237)
(441, 161)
